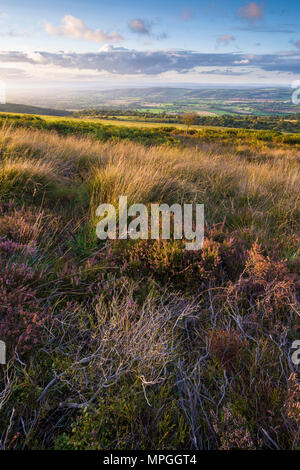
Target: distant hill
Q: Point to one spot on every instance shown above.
(204, 101)
(26, 109)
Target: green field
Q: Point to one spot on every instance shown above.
(157, 100)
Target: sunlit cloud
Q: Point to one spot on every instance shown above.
(252, 12)
(75, 28)
(143, 27)
(297, 44)
(140, 26)
(225, 39)
(187, 14)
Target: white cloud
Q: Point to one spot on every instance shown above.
(243, 61)
(251, 12)
(144, 27)
(297, 44)
(35, 57)
(76, 29)
(225, 39)
(140, 26)
(186, 14)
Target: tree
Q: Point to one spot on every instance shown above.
(189, 119)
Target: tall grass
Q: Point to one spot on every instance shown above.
(260, 193)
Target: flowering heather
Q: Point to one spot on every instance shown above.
(233, 432)
(222, 257)
(267, 288)
(9, 248)
(21, 313)
(292, 405)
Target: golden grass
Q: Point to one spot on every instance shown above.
(260, 193)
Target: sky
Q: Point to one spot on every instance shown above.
(138, 43)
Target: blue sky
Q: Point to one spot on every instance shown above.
(114, 42)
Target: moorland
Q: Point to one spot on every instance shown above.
(139, 344)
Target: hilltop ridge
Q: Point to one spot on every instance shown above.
(27, 109)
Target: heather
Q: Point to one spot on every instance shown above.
(139, 344)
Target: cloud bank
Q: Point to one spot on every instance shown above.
(119, 61)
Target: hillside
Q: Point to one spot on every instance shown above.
(141, 344)
(150, 133)
(27, 109)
